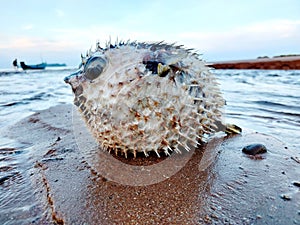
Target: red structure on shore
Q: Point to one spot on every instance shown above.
(276, 63)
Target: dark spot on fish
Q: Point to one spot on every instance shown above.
(151, 62)
(254, 149)
(151, 65)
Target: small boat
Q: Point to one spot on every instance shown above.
(56, 64)
(40, 66)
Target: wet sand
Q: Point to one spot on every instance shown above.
(277, 63)
(218, 185)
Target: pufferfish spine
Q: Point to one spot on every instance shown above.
(143, 97)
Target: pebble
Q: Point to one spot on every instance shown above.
(2, 179)
(258, 216)
(254, 149)
(286, 197)
(296, 183)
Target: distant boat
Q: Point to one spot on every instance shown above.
(40, 66)
(56, 64)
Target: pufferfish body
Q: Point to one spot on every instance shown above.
(143, 97)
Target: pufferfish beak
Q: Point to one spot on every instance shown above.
(69, 79)
(74, 81)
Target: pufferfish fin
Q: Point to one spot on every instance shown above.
(162, 70)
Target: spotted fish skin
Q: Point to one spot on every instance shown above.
(143, 97)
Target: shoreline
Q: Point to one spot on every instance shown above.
(275, 63)
(233, 188)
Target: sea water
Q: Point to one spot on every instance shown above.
(23, 93)
(266, 101)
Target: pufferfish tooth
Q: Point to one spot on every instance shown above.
(142, 97)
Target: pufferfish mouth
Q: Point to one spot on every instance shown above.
(88, 71)
(68, 79)
(73, 80)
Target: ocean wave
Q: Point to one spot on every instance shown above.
(9, 104)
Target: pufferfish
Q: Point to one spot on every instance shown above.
(143, 97)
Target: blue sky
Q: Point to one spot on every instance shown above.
(59, 30)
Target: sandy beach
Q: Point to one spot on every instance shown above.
(275, 63)
(218, 185)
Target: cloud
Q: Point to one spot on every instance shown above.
(257, 35)
(27, 27)
(86, 37)
(37, 44)
(258, 38)
(59, 13)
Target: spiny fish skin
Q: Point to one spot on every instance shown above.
(143, 97)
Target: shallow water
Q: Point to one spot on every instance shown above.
(23, 93)
(18, 202)
(266, 101)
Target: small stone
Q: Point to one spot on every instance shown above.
(296, 183)
(285, 197)
(214, 216)
(2, 179)
(254, 149)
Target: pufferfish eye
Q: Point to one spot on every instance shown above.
(94, 67)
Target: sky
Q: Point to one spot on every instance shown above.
(58, 31)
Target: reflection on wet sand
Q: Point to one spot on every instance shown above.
(234, 188)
